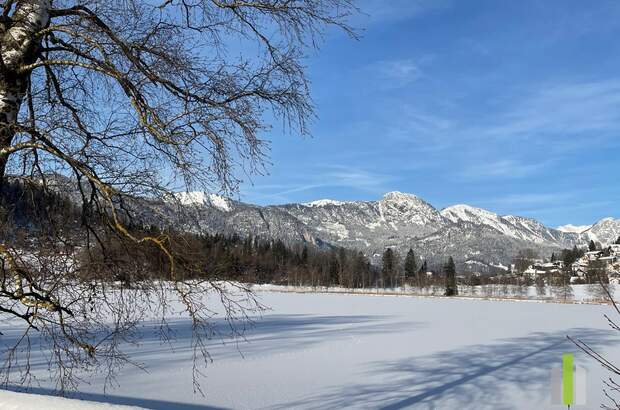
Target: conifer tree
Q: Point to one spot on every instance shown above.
(388, 265)
(411, 267)
(334, 268)
(304, 256)
(450, 272)
(592, 246)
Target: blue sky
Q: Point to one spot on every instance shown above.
(513, 106)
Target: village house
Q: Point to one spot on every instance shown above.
(543, 268)
(593, 255)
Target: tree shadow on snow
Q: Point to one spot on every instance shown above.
(473, 377)
(269, 335)
(272, 334)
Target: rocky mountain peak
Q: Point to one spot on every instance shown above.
(396, 196)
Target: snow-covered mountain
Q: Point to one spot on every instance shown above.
(513, 226)
(475, 237)
(605, 231)
(323, 202)
(368, 225)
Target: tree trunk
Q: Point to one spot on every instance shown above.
(11, 96)
(19, 46)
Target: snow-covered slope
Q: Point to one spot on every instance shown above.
(517, 227)
(573, 228)
(606, 231)
(477, 216)
(324, 202)
(369, 225)
(199, 198)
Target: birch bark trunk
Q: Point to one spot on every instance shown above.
(19, 45)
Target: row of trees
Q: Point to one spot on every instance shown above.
(258, 260)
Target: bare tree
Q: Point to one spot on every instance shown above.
(136, 99)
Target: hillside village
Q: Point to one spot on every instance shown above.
(602, 263)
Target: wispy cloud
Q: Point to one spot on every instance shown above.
(324, 176)
(395, 73)
(562, 108)
(532, 108)
(520, 135)
(416, 129)
(566, 108)
(353, 177)
(502, 168)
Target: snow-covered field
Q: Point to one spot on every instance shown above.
(329, 351)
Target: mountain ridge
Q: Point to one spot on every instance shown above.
(476, 238)
(473, 236)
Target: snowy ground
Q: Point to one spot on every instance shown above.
(10, 400)
(329, 351)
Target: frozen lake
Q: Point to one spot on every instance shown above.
(318, 351)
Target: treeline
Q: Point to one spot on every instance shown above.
(227, 257)
(257, 260)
